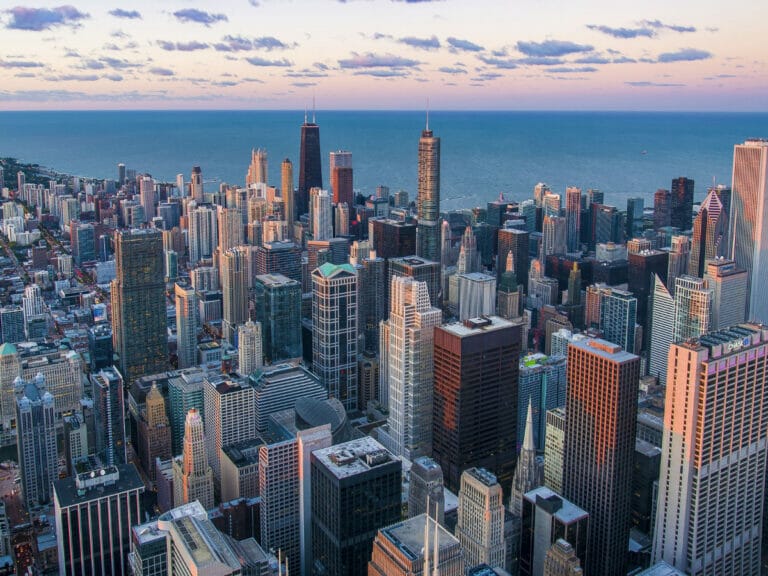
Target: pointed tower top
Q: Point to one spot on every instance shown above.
(528, 443)
(427, 126)
(313, 109)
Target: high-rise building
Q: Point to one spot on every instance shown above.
(196, 185)
(94, 512)
(185, 392)
(561, 560)
(186, 324)
(249, 354)
(372, 281)
(287, 194)
(681, 207)
(35, 314)
(334, 331)
(310, 168)
(618, 317)
(516, 242)
(635, 207)
(138, 303)
(230, 225)
(600, 446)
(419, 269)
(321, 213)
(679, 258)
(693, 308)
(709, 234)
(477, 295)
(279, 258)
(280, 387)
(481, 519)
(109, 415)
(408, 352)
(476, 369)
(529, 474)
(469, 257)
(36, 440)
(542, 384)
(235, 275)
(662, 208)
(341, 177)
(712, 485)
(573, 217)
(148, 197)
(416, 546)
(642, 266)
(12, 324)
(729, 292)
(154, 432)
(343, 477)
(257, 170)
(229, 415)
(203, 237)
(278, 310)
(428, 196)
(192, 476)
(554, 235)
(392, 238)
(83, 243)
(661, 329)
(426, 489)
(549, 519)
(747, 234)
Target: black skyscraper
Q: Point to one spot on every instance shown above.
(682, 203)
(310, 167)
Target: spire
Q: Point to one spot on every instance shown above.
(313, 109)
(426, 540)
(436, 553)
(528, 443)
(427, 126)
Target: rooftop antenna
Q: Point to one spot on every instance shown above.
(305, 114)
(436, 552)
(426, 541)
(313, 109)
(427, 128)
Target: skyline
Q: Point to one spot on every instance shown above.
(383, 54)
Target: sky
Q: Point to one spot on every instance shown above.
(385, 54)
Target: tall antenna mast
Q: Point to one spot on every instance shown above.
(427, 128)
(436, 553)
(426, 541)
(305, 114)
(313, 109)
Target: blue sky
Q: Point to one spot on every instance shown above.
(385, 54)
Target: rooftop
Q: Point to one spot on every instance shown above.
(568, 511)
(661, 569)
(408, 536)
(483, 475)
(477, 325)
(122, 478)
(274, 280)
(604, 349)
(354, 457)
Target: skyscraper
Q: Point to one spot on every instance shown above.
(185, 392)
(561, 560)
(154, 432)
(310, 168)
(635, 208)
(109, 415)
(618, 317)
(681, 208)
(408, 353)
(573, 217)
(426, 488)
(230, 225)
(712, 483)
(278, 309)
(693, 308)
(334, 331)
(235, 273)
(322, 214)
(203, 233)
(679, 257)
(36, 440)
(257, 170)
(600, 446)
(729, 292)
(554, 235)
(428, 196)
(186, 324)
(709, 230)
(515, 241)
(344, 477)
(662, 208)
(661, 329)
(196, 185)
(250, 357)
(138, 303)
(287, 193)
(748, 228)
(192, 476)
(148, 197)
(481, 519)
(341, 177)
(475, 398)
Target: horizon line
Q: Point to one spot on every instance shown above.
(401, 110)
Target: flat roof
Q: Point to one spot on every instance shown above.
(661, 569)
(408, 536)
(604, 349)
(354, 457)
(477, 325)
(567, 514)
(68, 494)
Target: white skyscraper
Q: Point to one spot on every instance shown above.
(249, 351)
(729, 292)
(477, 295)
(322, 215)
(748, 229)
(148, 197)
(203, 234)
(481, 519)
(409, 354)
(712, 483)
(186, 325)
(192, 476)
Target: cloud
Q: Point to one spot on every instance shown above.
(423, 43)
(25, 75)
(376, 61)
(306, 73)
(685, 55)
(648, 84)
(114, 77)
(37, 19)
(571, 70)
(234, 44)
(92, 65)
(624, 33)
(464, 45)
(623, 60)
(593, 60)
(158, 71)
(76, 78)
(659, 25)
(270, 43)
(450, 70)
(539, 61)
(383, 73)
(199, 16)
(503, 63)
(182, 46)
(118, 64)
(321, 66)
(303, 84)
(552, 48)
(256, 61)
(20, 64)
(486, 76)
(120, 13)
